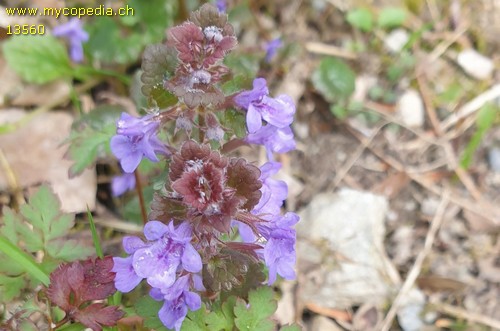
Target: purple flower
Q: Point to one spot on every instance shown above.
(135, 138)
(73, 32)
(272, 47)
(169, 250)
(126, 278)
(122, 184)
(279, 252)
(279, 140)
(178, 299)
(276, 111)
(274, 192)
(221, 5)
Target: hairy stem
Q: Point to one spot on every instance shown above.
(138, 187)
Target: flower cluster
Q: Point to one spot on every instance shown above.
(136, 138)
(169, 263)
(276, 135)
(201, 43)
(191, 249)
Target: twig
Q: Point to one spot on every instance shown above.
(119, 225)
(11, 180)
(472, 317)
(441, 142)
(429, 107)
(354, 157)
(471, 106)
(417, 266)
(325, 49)
(445, 44)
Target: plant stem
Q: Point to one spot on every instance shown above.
(24, 260)
(138, 188)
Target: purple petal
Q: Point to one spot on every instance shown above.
(126, 279)
(152, 264)
(191, 260)
(246, 233)
(278, 112)
(254, 119)
(193, 300)
(154, 230)
(172, 314)
(122, 184)
(132, 244)
(156, 294)
(76, 51)
(131, 161)
(259, 90)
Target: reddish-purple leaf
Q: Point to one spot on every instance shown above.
(74, 285)
(99, 279)
(96, 315)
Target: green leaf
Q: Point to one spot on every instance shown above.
(293, 327)
(158, 64)
(339, 111)
(50, 226)
(107, 44)
(68, 250)
(122, 41)
(222, 316)
(90, 136)
(11, 287)
(484, 121)
(392, 17)
(24, 260)
(236, 84)
(334, 79)
(256, 317)
(148, 309)
(151, 18)
(195, 320)
(43, 210)
(360, 18)
(37, 59)
(246, 64)
(235, 121)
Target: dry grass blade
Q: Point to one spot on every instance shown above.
(325, 49)
(417, 266)
(464, 314)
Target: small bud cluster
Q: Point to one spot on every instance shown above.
(191, 248)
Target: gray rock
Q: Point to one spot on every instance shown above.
(494, 158)
(395, 41)
(475, 64)
(410, 109)
(409, 315)
(340, 249)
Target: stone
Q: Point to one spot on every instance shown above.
(340, 250)
(395, 41)
(411, 310)
(475, 64)
(410, 109)
(494, 158)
